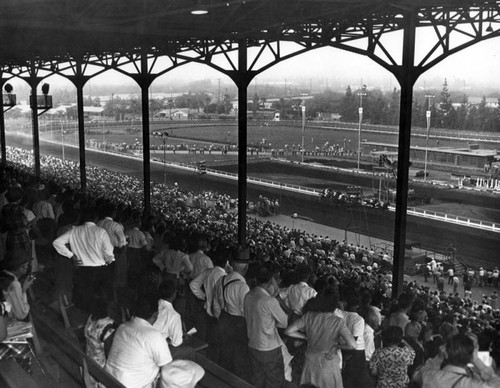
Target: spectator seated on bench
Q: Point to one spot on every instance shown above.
(13, 333)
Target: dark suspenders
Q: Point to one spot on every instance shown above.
(224, 286)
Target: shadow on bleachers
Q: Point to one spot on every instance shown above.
(60, 331)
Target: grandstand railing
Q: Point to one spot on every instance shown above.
(443, 217)
(469, 222)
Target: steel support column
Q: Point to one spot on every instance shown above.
(144, 81)
(3, 144)
(34, 81)
(242, 79)
(79, 80)
(406, 75)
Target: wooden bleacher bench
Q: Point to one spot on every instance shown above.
(13, 376)
(68, 353)
(216, 376)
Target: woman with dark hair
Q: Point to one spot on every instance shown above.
(390, 363)
(461, 351)
(12, 329)
(171, 260)
(325, 333)
(16, 264)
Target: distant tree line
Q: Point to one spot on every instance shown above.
(449, 109)
(383, 108)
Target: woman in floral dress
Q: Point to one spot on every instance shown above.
(390, 363)
(98, 330)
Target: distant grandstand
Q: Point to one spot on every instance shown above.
(472, 156)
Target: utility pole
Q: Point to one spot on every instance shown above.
(428, 116)
(303, 109)
(218, 94)
(361, 93)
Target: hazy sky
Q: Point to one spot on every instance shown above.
(478, 65)
(475, 66)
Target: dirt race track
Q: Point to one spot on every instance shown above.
(474, 247)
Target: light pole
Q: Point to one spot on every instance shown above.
(303, 108)
(62, 138)
(428, 116)
(164, 135)
(361, 93)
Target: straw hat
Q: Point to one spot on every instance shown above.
(181, 374)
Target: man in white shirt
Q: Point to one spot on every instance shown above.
(495, 276)
(297, 295)
(482, 277)
(230, 293)
(139, 350)
(200, 262)
(450, 273)
(355, 371)
(119, 242)
(203, 287)
(264, 316)
(169, 321)
(91, 251)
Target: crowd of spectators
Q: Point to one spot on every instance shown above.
(290, 286)
(265, 207)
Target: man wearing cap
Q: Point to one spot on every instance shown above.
(203, 287)
(230, 292)
(200, 262)
(91, 251)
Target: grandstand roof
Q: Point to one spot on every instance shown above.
(56, 29)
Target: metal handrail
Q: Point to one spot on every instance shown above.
(443, 217)
(479, 224)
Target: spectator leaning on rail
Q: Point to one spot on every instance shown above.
(91, 251)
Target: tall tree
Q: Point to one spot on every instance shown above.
(393, 107)
(444, 114)
(349, 106)
(255, 105)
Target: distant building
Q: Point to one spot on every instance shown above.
(175, 114)
(491, 102)
(468, 157)
(326, 116)
(92, 112)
